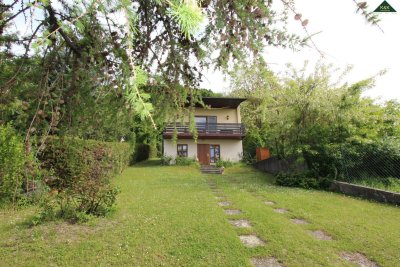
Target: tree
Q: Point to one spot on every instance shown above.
(301, 113)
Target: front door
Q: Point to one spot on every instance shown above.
(203, 154)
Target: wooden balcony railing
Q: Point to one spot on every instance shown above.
(207, 130)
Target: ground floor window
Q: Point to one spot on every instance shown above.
(214, 153)
(182, 150)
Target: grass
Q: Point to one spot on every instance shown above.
(388, 184)
(168, 216)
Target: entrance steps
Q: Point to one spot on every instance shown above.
(209, 169)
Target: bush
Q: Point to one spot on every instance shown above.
(355, 159)
(304, 180)
(180, 161)
(12, 164)
(185, 161)
(167, 160)
(224, 163)
(80, 174)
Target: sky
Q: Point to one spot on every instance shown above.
(346, 39)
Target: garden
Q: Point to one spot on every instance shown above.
(86, 90)
(171, 215)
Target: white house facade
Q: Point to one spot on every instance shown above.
(219, 129)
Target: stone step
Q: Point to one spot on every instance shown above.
(211, 170)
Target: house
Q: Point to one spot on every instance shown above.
(219, 128)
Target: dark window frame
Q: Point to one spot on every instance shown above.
(182, 150)
(207, 118)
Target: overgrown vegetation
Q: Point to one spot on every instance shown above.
(224, 163)
(307, 180)
(179, 161)
(80, 176)
(339, 133)
(12, 165)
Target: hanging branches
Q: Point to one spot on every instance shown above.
(304, 23)
(370, 17)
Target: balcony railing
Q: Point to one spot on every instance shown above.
(211, 130)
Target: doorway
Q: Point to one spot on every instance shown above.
(203, 154)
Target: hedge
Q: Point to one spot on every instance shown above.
(80, 171)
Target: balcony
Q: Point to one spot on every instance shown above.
(206, 131)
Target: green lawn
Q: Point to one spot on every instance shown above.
(168, 216)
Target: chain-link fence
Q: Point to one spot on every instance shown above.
(371, 165)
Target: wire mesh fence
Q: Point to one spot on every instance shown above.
(371, 165)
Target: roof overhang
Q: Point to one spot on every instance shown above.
(221, 102)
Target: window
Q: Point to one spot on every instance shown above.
(206, 122)
(182, 150)
(214, 153)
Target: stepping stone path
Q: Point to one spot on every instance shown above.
(232, 212)
(266, 262)
(240, 223)
(251, 241)
(269, 203)
(281, 210)
(299, 221)
(224, 203)
(358, 258)
(321, 235)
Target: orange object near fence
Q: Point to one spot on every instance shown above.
(262, 153)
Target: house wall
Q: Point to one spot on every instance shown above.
(221, 113)
(230, 149)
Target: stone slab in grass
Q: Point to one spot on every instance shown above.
(269, 203)
(281, 210)
(321, 235)
(359, 259)
(266, 262)
(224, 203)
(233, 212)
(242, 223)
(251, 241)
(220, 197)
(299, 221)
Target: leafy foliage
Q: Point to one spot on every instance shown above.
(314, 117)
(179, 161)
(224, 163)
(303, 180)
(185, 161)
(12, 164)
(81, 174)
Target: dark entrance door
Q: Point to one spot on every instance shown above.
(203, 154)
